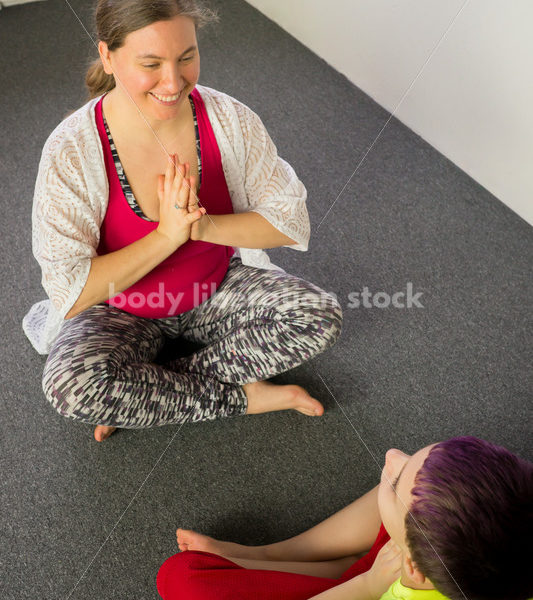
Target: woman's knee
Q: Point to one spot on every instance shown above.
(327, 319)
(76, 377)
(91, 351)
(67, 384)
(314, 314)
(332, 319)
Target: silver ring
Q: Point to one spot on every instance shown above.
(180, 207)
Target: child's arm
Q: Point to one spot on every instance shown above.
(372, 584)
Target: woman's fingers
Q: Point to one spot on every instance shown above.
(169, 177)
(181, 192)
(177, 187)
(161, 187)
(193, 199)
(195, 216)
(174, 181)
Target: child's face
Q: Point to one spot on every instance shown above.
(394, 496)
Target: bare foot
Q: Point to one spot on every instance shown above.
(264, 396)
(102, 432)
(191, 540)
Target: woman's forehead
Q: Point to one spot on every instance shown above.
(176, 35)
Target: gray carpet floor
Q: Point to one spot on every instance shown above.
(82, 520)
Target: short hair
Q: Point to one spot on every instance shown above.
(470, 524)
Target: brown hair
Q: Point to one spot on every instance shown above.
(115, 19)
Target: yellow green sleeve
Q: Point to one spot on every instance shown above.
(397, 591)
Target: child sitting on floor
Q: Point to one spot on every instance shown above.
(459, 515)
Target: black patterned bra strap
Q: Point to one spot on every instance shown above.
(126, 188)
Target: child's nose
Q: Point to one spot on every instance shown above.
(394, 460)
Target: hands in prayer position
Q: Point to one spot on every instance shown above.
(179, 212)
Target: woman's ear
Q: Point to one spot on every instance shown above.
(413, 573)
(105, 56)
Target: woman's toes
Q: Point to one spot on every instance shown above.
(311, 412)
(102, 432)
(306, 404)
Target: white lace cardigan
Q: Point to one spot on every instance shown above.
(71, 195)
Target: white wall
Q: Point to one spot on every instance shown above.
(473, 100)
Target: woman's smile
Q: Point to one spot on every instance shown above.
(167, 100)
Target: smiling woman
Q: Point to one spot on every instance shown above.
(124, 18)
(155, 83)
(153, 205)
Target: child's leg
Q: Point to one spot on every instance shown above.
(332, 569)
(201, 576)
(347, 533)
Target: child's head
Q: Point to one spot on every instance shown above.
(470, 518)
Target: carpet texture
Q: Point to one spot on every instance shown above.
(82, 520)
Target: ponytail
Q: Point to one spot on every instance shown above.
(97, 80)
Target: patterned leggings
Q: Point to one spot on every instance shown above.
(259, 323)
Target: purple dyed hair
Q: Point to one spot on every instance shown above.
(470, 526)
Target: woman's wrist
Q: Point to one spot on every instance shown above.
(204, 230)
(165, 241)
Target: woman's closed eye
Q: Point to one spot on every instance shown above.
(153, 66)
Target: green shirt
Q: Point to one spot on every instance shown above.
(397, 591)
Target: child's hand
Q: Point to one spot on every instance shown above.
(178, 208)
(385, 570)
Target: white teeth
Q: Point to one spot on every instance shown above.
(167, 98)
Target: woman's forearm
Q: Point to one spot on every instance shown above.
(242, 230)
(114, 272)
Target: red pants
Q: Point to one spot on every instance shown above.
(193, 575)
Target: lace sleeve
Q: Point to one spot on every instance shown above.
(272, 188)
(65, 229)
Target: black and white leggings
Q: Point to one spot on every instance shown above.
(259, 323)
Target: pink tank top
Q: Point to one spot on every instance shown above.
(195, 270)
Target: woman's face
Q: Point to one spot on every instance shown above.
(394, 495)
(158, 66)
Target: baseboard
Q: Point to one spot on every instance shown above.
(6, 3)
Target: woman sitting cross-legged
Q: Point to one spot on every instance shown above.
(153, 205)
(454, 521)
